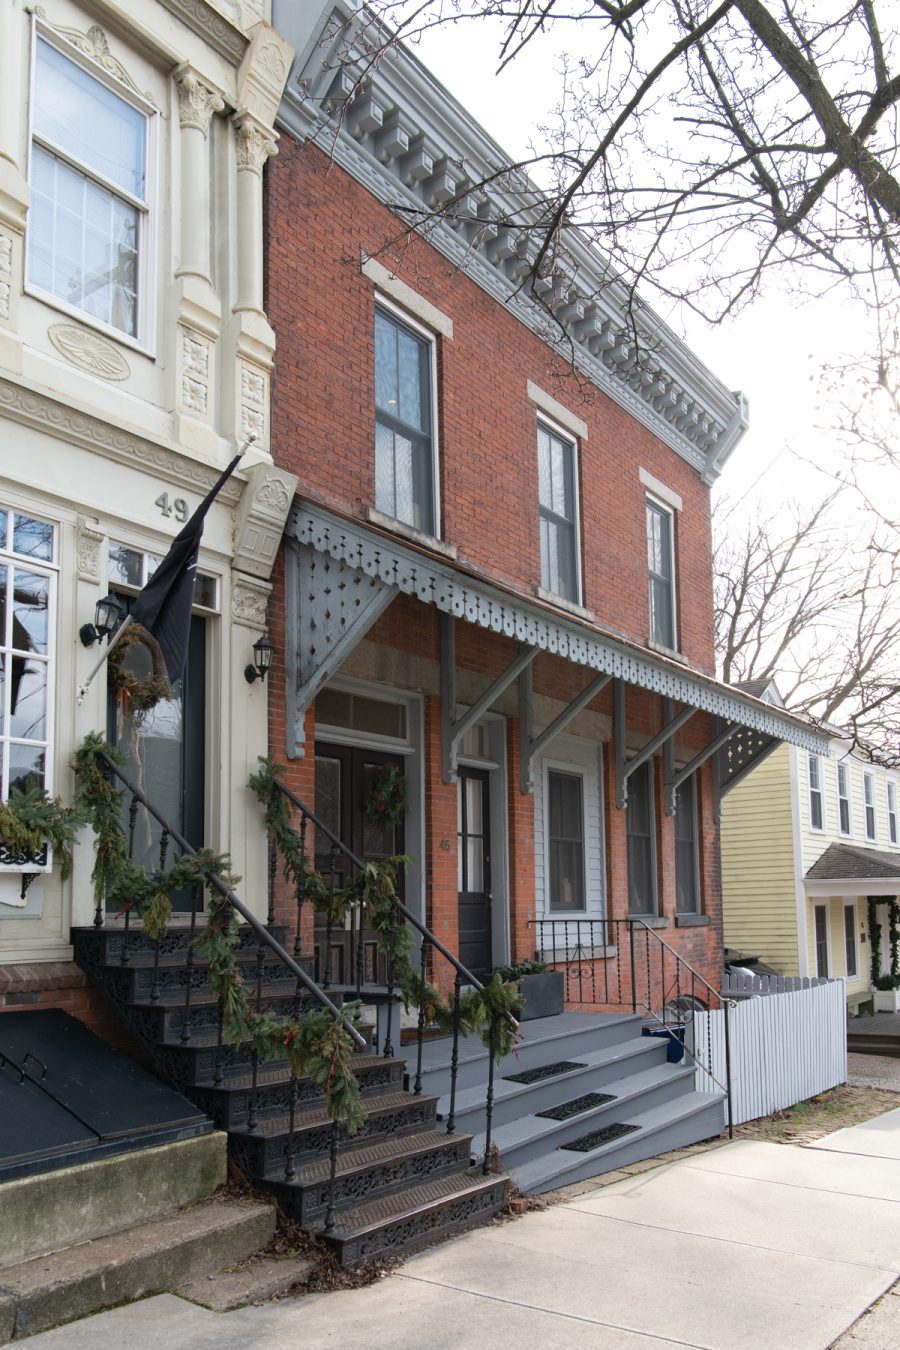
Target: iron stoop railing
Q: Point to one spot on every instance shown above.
(266, 942)
(653, 979)
(431, 948)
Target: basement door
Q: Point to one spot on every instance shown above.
(474, 865)
(345, 777)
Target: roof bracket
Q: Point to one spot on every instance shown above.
(454, 727)
(531, 745)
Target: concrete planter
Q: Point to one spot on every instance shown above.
(887, 1000)
(544, 995)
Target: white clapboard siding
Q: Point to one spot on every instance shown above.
(784, 1048)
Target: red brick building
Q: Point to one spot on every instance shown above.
(497, 570)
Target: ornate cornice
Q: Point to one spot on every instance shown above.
(37, 409)
(466, 597)
(403, 137)
(209, 24)
(197, 102)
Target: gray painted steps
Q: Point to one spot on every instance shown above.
(530, 1136)
(674, 1124)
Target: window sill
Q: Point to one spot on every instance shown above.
(692, 920)
(411, 533)
(663, 650)
(563, 955)
(650, 920)
(568, 605)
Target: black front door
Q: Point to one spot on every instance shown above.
(345, 778)
(474, 844)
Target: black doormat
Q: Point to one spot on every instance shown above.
(545, 1071)
(577, 1105)
(598, 1137)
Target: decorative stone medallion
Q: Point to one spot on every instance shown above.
(88, 351)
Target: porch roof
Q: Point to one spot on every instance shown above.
(848, 862)
(386, 567)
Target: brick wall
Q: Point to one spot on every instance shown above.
(319, 222)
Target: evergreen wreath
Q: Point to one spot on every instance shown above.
(140, 694)
(386, 801)
(316, 1045)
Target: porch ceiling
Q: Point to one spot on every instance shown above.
(396, 568)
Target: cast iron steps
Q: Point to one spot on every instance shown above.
(526, 1137)
(228, 1103)
(102, 945)
(374, 1169)
(674, 1124)
(514, 1100)
(412, 1219)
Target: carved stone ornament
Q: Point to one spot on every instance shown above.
(194, 371)
(248, 602)
(263, 73)
(5, 274)
(88, 351)
(254, 143)
(94, 44)
(88, 541)
(273, 494)
(260, 519)
(196, 101)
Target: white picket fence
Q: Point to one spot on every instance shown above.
(784, 1048)
(738, 984)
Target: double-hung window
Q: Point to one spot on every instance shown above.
(687, 881)
(404, 423)
(820, 920)
(559, 515)
(565, 842)
(892, 812)
(661, 565)
(843, 798)
(27, 585)
(87, 222)
(816, 812)
(639, 822)
(850, 958)
(869, 798)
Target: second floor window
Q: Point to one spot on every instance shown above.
(816, 814)
(88, 215)
(869, 796)
(404, 423)
(892, 812)
(661, 564)
(559, 520)
(843, 799)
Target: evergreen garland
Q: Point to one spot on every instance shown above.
(31, 819)
(874, 942)
(316, 1045)
(894, 931)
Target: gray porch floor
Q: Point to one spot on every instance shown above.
(878, 1035)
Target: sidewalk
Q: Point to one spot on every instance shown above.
(746, 1244)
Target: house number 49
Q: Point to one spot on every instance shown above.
(177, 507)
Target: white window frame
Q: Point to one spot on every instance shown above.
(145, 336)
(658, 504)
(429, 336)
(851, 940)
(843, 771)
(591, 774)
(563, 434)
(50, 569)
(869, 800)
(816, 789)
(569, 771)
(892, 810)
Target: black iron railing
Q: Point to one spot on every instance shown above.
(431, 950)
(624, 963)
(267, 944)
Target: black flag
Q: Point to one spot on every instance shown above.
(163, 607)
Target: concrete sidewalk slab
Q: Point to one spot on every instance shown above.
(876, 1138)
(825, 1170)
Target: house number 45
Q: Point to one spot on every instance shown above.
(177, 507)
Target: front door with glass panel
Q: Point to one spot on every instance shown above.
(164, 749)
(474, 866)
(345, 781)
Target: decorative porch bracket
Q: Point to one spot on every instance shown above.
(664, 740)
(329, 608)
(675, 782)
(530, 746)
(453, 728)
(738, 757)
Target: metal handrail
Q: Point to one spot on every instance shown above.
(466, 975)
(634, 921)
(237, 904)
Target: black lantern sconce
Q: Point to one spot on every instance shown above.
(262, 660)
(108, 615)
